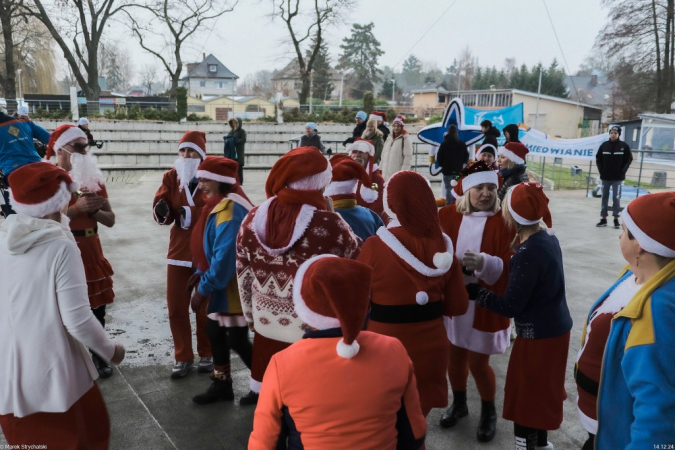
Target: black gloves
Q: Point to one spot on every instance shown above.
(162, 209)
(473, 289)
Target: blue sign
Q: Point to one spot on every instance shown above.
(499, 117)
(454, 115)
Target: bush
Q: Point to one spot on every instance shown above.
(368, 102)
(134, 113)
(150, 114)
(181, 102)
(197, 118)
(434, 119)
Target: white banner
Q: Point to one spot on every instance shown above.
(540, 144)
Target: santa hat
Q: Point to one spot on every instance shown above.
(196, 140)
(648, 218)
(39, 189)
(302, 168)
(333, 292)
(365, 146)
(220, 169)
(400, 120)
(472, 175)
(61, 136)
(515, 151)
(528, 204)
(487, 148)
(83, 121)
(379, 116)
(347, 174)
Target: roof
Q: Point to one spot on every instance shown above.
(202, 70)
(595, 94)
(437, 90)
(659, 117)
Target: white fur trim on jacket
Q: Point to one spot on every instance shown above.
(311, 318)
(215, 177)
(186, 221)
(399, 249)
(241, 201)
(195, 147)
(512, 156)
(517, 217)
(645, 241)
(301, 224)
(314, 182)
(341, 187)
(67, 136)
(38, 210)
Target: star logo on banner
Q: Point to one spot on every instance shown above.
(454, 115)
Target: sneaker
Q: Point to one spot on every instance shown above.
(219, 390)
(616, 223)
(249, 399)
(180, 369)
(205, 365)
(548, 446)
(602, 223)
(102, 366)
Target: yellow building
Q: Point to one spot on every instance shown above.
(221, 108)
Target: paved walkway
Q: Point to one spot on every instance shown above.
(148, 410)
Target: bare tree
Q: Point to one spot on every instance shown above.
(320, 14)
(115, 64)
(148, 77)
(9, 14)
(174, 22)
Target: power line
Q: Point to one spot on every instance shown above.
(569, 73)
(425, 33)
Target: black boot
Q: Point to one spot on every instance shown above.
(457, 410)
(249, 399)
(102, 366)
(487, 425)
(219, 390)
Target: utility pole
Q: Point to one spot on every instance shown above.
(20, 99)
(342, 84)
(393, 90)
(536, 115)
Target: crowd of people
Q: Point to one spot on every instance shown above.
(362, 296)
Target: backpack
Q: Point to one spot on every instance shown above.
(230, 147)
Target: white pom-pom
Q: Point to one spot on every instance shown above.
(74, 186)
(347, 351)
(453, 183)
(368, 195)
(422, 298)
(443, 260)
(550, 231)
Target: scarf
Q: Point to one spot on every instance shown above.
(283, 213)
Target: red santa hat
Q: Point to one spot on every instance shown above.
(486, 148)
(347, 174)
(472, 175)
(651, 220)
(515, 151)
(528, 204)
(302, 168)
(379, 116)
(195, 140)
(219, 168)
(39, 189)
(63, 135)
(399, 120)
(333, 292)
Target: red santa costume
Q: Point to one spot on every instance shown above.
(49, 398)
(416, 281)
(478, 333)
(375, 174)
(291, 226)
(183, 199)
(306, 384)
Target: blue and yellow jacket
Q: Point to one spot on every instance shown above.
(16, 142)
(636, 397)
(220, 239)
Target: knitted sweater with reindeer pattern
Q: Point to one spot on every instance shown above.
(265, 275)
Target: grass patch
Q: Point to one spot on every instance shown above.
(560, 175)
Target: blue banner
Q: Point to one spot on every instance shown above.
(499, 117)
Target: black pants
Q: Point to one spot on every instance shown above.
(99, 313)
(590, 443)
(241, 174)
(529, 438)
(225, 338)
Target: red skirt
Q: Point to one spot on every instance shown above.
(429, 349)
(535, 382)
(85, 425)
(97, 270)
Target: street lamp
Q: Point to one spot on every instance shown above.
(20, 94)
(393, 89)
(459, 80)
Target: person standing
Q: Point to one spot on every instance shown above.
(83, 124)
(49, 397)
(397, 153)
(178, 203)
(363, 152)
(511, 162)
(16, 142)
(613, 160)
(360, 127)
(372, 134)
(86, 212)
(311, 138)
(239, 135)
(339, 386)
(452, 156)
(416, 281)
(382, 124)
(487, 153)
(624, 372)
(535, 298)
(482, 243)
(295, 223)
(491, 133)
(213, 245)
(511, 133)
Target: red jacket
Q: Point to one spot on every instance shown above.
(377, 206)
(369, 401)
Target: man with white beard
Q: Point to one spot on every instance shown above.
(178, 202)
(86, 211)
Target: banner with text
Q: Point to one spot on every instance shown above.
(541, 144)
(499, 117)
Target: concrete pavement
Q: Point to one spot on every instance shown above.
(148, 410)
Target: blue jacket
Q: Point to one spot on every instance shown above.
(363, 221)
(16, 142)
(220, 239)
(636, 397)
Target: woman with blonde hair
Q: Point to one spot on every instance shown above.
(372, 134)
(482, 244)
(535, 297)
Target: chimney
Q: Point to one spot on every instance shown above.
(204, 56)
(594, 80)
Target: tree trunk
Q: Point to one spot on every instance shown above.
(306, 84)
(669, 70)
(9, 85)
(659, 73)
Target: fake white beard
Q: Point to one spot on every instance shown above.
(86, 172)
(65, 220)
(186, 169)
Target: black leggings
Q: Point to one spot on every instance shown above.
(590, 443)
(225, 338)
(99, 313)
(529, 438)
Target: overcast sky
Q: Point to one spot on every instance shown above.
(246, 40)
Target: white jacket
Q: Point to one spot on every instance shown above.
(397, 155)
(45, 319)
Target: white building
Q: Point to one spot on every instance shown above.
(209, 77)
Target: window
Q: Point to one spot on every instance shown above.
(441, 98)
(222, 84)
(202, 84)
(213, 68)
(196, 108)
